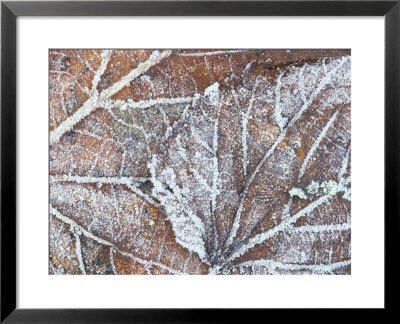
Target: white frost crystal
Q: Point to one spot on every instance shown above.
(313, 187)
(297, 192)
(212, 92)
(328, 187)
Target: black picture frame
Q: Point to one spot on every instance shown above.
(11, 10)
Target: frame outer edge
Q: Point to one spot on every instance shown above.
(8, 161)
(392, 150)
(8, 156)
(202, 8)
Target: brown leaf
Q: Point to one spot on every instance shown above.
(201, 161)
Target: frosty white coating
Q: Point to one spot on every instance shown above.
(209, 181)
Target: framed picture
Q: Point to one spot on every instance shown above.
(250, 146)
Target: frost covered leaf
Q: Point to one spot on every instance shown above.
(196, 162)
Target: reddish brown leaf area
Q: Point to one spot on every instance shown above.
(200, 162)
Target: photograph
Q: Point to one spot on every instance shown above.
(199, 161)
(256, 142)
